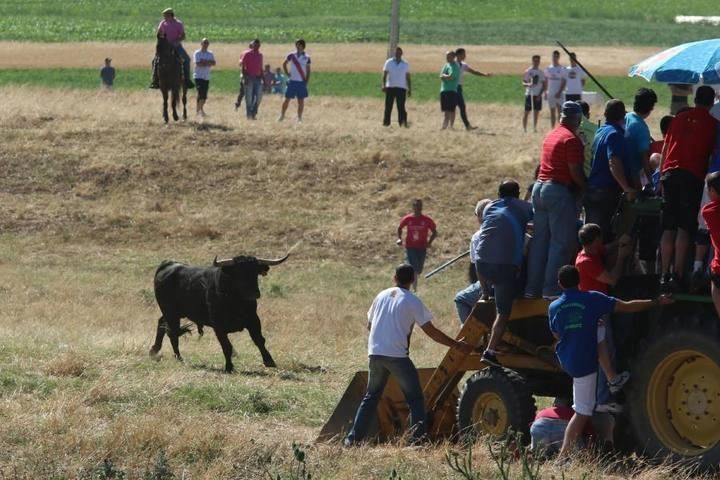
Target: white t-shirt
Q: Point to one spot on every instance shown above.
(392, 316)
(574, 76)
(555, 76)
(304, 60)
(396, 73)
(202, 73)
(537, 77)
(474, 244)
(463, 68)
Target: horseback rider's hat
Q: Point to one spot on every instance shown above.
(168, 10)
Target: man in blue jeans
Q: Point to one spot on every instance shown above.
(391, 318)
(466, 298)
(560, 182)
(500, 248)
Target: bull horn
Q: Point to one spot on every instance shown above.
(225, 262)
(276, 261)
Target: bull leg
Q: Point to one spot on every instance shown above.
(175, 95)
(165, 105)
(227, 349)
(173, 331)
(159, 336)
(255, 331)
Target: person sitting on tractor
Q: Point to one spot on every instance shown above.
(575, 321)
(466, 298)
(711, 215)
(391, 319)
(174, 32)
(500, 248)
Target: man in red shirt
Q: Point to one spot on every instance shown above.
(251, 63)
(560, 180)
(711, 214)
(416, 241)
(688, 148)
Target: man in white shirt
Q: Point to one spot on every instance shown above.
(391, 318)
(397, 87)
(460, 53)
(555, 75)
(203, 60)
(298, 78)
(575, 80)
(535, 84)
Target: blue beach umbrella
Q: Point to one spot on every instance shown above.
(689, 63)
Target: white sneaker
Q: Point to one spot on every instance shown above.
(619, 382)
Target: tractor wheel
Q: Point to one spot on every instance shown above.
(674, 397)
(493, 401)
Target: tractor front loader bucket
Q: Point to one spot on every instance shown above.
(392, 411)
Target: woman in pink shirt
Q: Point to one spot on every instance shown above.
(174, 32)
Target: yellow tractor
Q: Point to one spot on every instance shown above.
(672, 404)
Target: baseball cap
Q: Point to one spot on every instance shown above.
(570, 109)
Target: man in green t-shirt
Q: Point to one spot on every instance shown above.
(586, 132)
(449, 80)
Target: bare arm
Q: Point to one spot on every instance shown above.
(577, 174)
(477, 72)
(307, 74)
(562, 87)
(409, 90)
(439, 337)
(384, 80)
(433, 234)
(611, 277)
(634, 306)
(618, 172)
(285, 69)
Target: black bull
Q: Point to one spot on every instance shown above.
(223, 297)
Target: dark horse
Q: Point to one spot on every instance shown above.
(170, 76)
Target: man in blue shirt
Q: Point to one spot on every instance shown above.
(610, 173)
(575, 320)
(637, 134)
(499, 255)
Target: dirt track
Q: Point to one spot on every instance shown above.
(344, 57)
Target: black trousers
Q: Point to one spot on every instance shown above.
(397, 95)
(461, 106)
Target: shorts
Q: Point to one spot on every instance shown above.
(554, 102)
(202, 88)
(573, 97)
(682, 194)
(296, 89)
(702, 237)
(504, 279)
(536, 105)
(416, 258)
(584, 394)
(448, 101)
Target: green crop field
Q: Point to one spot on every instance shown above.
(613, 22)
(496, 89)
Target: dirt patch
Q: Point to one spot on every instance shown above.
(341, 57)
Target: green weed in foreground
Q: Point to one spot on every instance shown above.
(631, 22)
(495, 89)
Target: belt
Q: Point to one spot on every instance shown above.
(554, 182)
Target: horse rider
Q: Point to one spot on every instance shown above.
(174, 32)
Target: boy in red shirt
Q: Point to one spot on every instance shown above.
(711, 214)
(595, 276)
(416, 241)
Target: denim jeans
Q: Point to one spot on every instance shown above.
(600, 206)
(546, 435)
(466, 299)
(380, 369)
(253, 95)
(602, 394)
(555, 237)
(186, 62)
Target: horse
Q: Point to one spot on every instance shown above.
(170, 76)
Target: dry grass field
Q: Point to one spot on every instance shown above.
(337, 57)
(95, 191)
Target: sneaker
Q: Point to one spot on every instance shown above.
(349, 443)
(698, 281)
(668, 283)
(610, 407)
(471, 127)
(619, 382)
(491, 359)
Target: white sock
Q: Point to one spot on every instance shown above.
(697, 266)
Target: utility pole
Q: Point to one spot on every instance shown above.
(394, 28)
